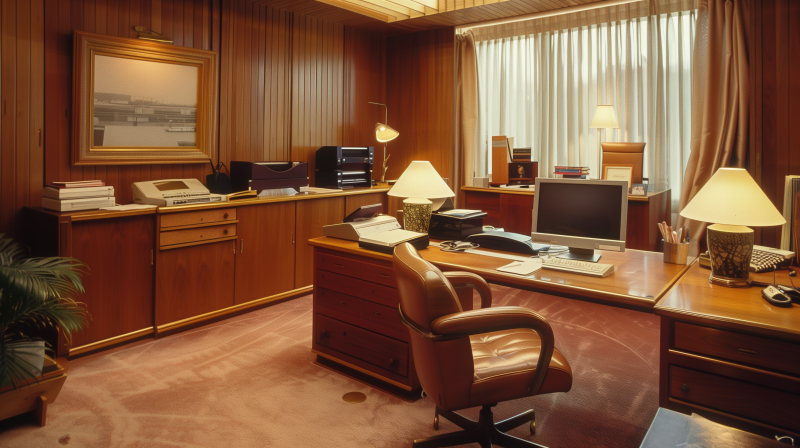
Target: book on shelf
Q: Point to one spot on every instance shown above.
(501, 141)
(77, 193)
(573, 176)
(521, 155)
(78, 184)
(70, 205)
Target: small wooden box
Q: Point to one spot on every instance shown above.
(523, 172)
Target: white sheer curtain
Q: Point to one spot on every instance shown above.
(542, 88)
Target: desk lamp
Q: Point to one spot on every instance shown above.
(604, 118)
(384, 134)
(420, 183)
(731, 200)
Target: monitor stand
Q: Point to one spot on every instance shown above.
(581, 255)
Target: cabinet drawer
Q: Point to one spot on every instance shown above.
(370, 272)
(358, 288)
(198, 217)
(338, 301)
(755, 350)
(764, 404)
(383, 315)
(198, 234)
(381, 351)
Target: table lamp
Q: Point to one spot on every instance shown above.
(420, 183)
(731, 200)
(384, 134)
(604, 118)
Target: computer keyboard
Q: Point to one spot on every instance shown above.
(578, 267)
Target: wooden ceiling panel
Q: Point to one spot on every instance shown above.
(403, 16)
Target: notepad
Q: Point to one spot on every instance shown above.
(524, 268)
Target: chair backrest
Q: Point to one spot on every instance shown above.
(444, 367)
(625, 154)
(425, 294)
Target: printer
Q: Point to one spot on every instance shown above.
(173, 192)
(362, 222)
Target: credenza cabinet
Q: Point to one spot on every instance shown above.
(157, 271)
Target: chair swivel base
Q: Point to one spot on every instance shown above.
(485, 431)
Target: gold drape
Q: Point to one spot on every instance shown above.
(466, 110)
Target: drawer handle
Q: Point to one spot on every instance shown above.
(684, 388)
(375, 312)
(323, 335)
(337, 264)
(382, 274)
(344, 333)
(342, 303)
(225, 232)
(392, 362)
(225, 216)
(749, 352)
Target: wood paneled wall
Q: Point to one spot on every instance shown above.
(776, 140)
(190, 23)
(420, 93)
(21, 107)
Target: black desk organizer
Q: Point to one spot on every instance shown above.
(259, 176)
(344, 167)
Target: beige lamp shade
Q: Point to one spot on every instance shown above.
(732, 197)
(420, 180)
(384, 133)
(604, 118)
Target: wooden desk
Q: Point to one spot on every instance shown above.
(512, 208)
(357, 328)
(727, 352)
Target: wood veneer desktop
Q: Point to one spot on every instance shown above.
(357, 329)
(727, 352)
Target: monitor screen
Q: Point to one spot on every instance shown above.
(580, 209)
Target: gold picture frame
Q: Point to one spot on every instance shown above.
(142, 102)
(618, 172)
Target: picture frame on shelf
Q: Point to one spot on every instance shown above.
(142, 102)
(638, 190)
(618, 172)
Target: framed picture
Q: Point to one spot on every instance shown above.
(639, 190)
(142, 102)
(618, 172)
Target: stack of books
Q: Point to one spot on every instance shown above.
(573, 172)
(80, 195)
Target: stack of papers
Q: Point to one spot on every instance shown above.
(523, 268)
(391, 238)
(461, 213)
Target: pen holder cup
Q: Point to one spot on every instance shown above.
(675, 253)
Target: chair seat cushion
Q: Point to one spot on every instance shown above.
(505, 361)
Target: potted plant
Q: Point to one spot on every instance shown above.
(35, 293)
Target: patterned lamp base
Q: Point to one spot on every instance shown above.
(730, 249)
(416, 214)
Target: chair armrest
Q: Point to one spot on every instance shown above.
(469, 280)
(497, 319)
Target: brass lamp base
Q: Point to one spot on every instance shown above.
(730, 249)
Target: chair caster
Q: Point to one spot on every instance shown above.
(533, 427)
(436, 422)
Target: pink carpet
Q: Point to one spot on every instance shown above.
(250, 381)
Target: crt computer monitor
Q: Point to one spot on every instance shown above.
(582, 214)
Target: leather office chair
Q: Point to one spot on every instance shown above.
(624, 154)
(467, 358)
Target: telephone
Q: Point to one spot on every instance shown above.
(507, 241)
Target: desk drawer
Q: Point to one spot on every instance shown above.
(754, 350)
(383, 315)
(764, 404)
(381, 351)
(370, 272)
(338, 301)
(198, 217)
(358, 288)
(198, 234)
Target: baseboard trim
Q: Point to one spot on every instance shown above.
(106, 343)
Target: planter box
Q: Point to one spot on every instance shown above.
(35, 396)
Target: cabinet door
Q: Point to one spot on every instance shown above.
(488, 202)
(264, 251)
(119, 278)
(311, 216)
(194, 280)
(516, 213)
